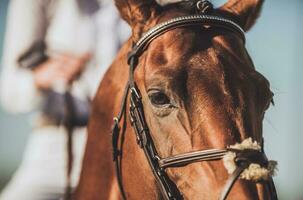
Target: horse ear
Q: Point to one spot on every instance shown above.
(137, 13)
(243, 12)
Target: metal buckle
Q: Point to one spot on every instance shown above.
(204, 6)
(135, 93)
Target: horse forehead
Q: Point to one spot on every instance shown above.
(193, 52)
(171, 46)
(174, 54)
(188, 66)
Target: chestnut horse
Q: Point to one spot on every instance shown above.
(199, 90)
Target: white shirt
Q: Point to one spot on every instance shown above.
(64, 28)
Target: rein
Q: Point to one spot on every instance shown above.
(157, 164)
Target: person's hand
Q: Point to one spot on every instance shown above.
(63, 67)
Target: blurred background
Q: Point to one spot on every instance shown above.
(276, 45)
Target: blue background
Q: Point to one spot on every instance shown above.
(276, 46)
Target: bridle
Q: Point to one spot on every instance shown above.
(157, 164)
(143, 137)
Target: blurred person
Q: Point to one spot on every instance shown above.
(54, 46)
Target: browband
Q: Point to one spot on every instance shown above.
(183, 21)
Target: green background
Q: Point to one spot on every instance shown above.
(276, 46)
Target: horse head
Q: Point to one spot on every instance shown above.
(199, 90)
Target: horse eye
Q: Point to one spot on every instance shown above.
(158, 98)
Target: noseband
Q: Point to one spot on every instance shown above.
(157, 164)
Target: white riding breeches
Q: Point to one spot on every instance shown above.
(42, 173)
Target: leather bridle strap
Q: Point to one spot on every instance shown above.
(216, 154)
(116, 130)
(188, 158)
(145, 141)
(184, 21)
(232, 180)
